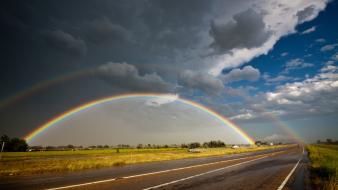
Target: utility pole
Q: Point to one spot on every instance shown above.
(2, 148)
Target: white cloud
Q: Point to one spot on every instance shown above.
(279, 78)
(329, 62)
(335, 57)
(329, 68)
(313, 95)
(309, 30)
(294, 64)
(276, 138)
(281, 18)
(328, 47)
(320, 40)
(284, 54)
(164, 99)
(244, 116)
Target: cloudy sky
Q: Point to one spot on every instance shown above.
(254, 61)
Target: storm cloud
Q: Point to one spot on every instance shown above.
(246, 30)
(127, 76)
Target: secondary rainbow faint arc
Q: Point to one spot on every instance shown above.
(90, 104)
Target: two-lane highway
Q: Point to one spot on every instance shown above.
(260, 170)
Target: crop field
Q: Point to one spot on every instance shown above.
(28, 163)
(324, 166)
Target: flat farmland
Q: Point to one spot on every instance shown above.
(28, 163)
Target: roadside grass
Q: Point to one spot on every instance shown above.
(29, 163)
(324, 166)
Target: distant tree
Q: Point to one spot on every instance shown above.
(220, 144)
(184, 145)
(17, 145)
(106, 146)
(50, 148)
(205, 145)
(5, 139)
(35, 148)
(318, 142)
(61, 147)
(123, 146)
(70, 146)
(99, 146)
(139, 146)
(194, 145)
(329, 141)
(214, 144)
(165, 146)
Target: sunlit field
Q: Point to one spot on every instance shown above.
(27, 163)
(324, 166)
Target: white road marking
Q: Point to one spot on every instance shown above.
(159, 172)
(290, 174)
(145, 174)
(197, 175)
(83, 184)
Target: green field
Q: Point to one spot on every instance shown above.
(28, 163)
(324, 166)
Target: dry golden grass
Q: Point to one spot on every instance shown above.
(324, 166)
(28, 163)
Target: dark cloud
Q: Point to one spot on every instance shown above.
(306, 13)
(154, 44)
(200, 81)
(102, 30)
(246, 30)
(127, 76)
(66, 42)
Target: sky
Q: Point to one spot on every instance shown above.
(269, 66)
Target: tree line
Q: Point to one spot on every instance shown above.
(20, 145)
(13, 144)
(328, 141)
(210, 144)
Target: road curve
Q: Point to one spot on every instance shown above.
(273, 169)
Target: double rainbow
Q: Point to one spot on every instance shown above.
(97, 102)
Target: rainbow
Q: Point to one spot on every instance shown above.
(12, 100)
(43, 86)
(29, 137)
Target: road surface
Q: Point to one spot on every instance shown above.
(273, 169)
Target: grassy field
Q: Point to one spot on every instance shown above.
(28, 163)
(324, 166)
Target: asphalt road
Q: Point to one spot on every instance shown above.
(278, 169)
